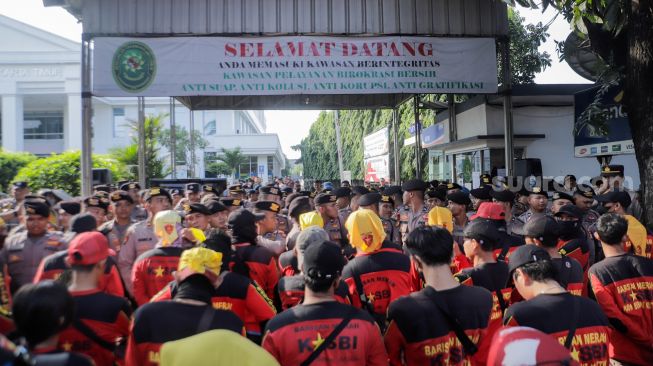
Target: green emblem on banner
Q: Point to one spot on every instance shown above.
(133, 66)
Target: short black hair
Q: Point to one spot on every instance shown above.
(319, 284)
(611, 228)
(39, 308)
(540, 271)
(432, 244)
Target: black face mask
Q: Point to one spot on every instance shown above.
(568, 228)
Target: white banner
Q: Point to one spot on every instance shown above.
(376, 143)
(377, 168)
(187, 66)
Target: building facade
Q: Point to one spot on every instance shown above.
(40, 89)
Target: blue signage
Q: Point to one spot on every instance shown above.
(589, 140)
(434, 135)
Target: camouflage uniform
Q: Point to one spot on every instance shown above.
(139, 239)
(409, 220)
(23, 254)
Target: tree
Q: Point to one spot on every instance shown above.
(319, 155)
(10, 164)
(218, 168)
(620, 34)
(232, 159)
(61, 171)
(155, 165)
(182, 144)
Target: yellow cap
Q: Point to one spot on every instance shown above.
(442, 217)
(201, 261)
(309, 219)
(365, 230)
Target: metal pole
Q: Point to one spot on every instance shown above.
(507, 110)
(418, 139)
(87, 114)
(395, 141)
(141, 142)
(192, 144)
(173, 140)
(336, 122)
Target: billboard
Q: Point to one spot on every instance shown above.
(590, 141)
(376, 168)
(376, 149)
(290, 65)
(376, 143)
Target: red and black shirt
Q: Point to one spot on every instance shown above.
(159, 322)
(418, 332)
(623, 287)
(107, 316)
(384, 276)
(554, 314)
(239, 295)
(294, 334)
(152, 272)
(569, 274)
(494, 278)
(291, 291)
(54, 265)
(260, 264)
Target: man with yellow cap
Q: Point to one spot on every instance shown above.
(188, 313)
(379, 273)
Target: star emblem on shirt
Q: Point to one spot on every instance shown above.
(318, 341)
(158, 272)
(67, 346)
(633, 295)
(574, 354)
(371, 297)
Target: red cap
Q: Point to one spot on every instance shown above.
(490, 211)
(527, 346)
(88, 248)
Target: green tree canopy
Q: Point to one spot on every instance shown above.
(232, 158)
(10, 164)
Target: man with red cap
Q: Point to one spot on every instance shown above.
(496, 213)
(101, 320)
(190, 311)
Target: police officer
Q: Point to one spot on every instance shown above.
(140, 237)
(66, 210)
(537, 203)
(208, 190)
(478, 196)
(9, 206)
(414, 214)
(232, 204)
(325, 205)
(122, 206)
(98, 207)
(584, 198)
(396, 194)
(139, 213)
(390, 225)
(457, 202)
(268, 228)
(24, 250)
(269, 193)
(192, 193)
(236, 191)
(558, 200)
(507, 199)
(436, 197)
(343, 201)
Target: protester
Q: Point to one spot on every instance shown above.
(577, 322)
(618, 202)
(621, 284)
(308, 331)
(445, 323)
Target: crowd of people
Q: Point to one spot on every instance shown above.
(423, 273)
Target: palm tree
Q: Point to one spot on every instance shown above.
(233, 159)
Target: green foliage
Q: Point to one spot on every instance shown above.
(182, 144)
(61, 171)
(232, 159)
(218, 168)
(525, 59)
(155, 165)
(10, 164)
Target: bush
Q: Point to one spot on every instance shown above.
(62, 171)
(10, 164)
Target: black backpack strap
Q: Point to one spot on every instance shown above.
(206, 320)
(361, 291)
(468, 346)
(330, 338)
(502, 301)
(574, 322)
(90, 334)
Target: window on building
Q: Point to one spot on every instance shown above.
(43, 125)
(270, 166)
(249, 167)
(120, 123)
(210, 128)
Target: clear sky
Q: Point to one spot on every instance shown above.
(291, 126)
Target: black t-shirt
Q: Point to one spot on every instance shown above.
(569, 274)
(490, 276)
